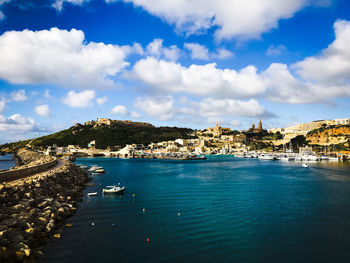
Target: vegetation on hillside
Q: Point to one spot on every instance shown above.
(106, 135)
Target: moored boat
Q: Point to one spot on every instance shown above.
(113, 189)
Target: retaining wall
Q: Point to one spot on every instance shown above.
(24, 172)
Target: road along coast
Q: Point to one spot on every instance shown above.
(34, 207)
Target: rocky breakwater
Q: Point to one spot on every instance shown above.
(33, 209)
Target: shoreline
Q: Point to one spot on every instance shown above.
(34, 208)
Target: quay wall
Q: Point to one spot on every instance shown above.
(33, 209)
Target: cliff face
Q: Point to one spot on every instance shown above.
(331, 135)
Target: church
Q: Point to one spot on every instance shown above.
(256, 130)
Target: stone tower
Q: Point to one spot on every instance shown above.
(260, 126)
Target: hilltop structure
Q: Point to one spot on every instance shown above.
(218, 130)
(256, 130)
(108, 122)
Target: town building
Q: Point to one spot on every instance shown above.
(256, 130)
(218, 130)
(342, 121)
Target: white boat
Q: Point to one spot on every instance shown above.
(93, 173)
(92, 194)
(83, 166)
(113, 189)
(287, 158)
(264, 156)
(94, 168)
(305, 165)
(333, 159)
(324, 158)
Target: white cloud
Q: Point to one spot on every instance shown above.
(2, 106)
(201, 52)
(332, 66)
(17, 123)
(232, 18)
(156, 49)
(58, 57)
(275, 50)
(197, 51)
(43, 110)
(101, 101)
(79, 99)
(47, 94)
(19, 95)
(317, 79)
(223, 53)
(58, 4)
(161, 108)
(207, 110)
(119, 109)
(210, 108)
(200, 80)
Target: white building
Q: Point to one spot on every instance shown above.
(345, 121)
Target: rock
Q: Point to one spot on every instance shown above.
(60, 210)
(50, 226)
(10, 222)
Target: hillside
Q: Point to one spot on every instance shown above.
(107, 135)
(329, 135)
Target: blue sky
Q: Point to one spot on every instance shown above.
(179, 63)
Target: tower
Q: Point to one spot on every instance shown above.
(260, 126)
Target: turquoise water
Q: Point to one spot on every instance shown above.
(6, 162)
(231, 210)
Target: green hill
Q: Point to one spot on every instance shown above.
(107, 135)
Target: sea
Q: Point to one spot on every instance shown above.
(223, 209)
(6, 162)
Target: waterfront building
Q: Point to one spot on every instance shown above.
(51, 150)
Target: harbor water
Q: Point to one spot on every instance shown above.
(6, 162)
(222, 209)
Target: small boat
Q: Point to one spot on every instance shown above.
(83, 166)
(100, 171)
(94, 168)
(113, 189)
(93, 173)
(92, 194)
(305, 165)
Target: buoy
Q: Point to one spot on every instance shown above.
(133, 195)
(179, 214)
(143, 210)
(92, 224)
(148, 240)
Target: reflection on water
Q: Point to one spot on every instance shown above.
(218, 210)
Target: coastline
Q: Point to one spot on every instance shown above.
(35, 207)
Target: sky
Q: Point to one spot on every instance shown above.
(188, 63)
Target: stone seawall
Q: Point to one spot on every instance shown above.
(19, 173)
(33, 209)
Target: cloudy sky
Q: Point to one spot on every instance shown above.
(186, 63)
